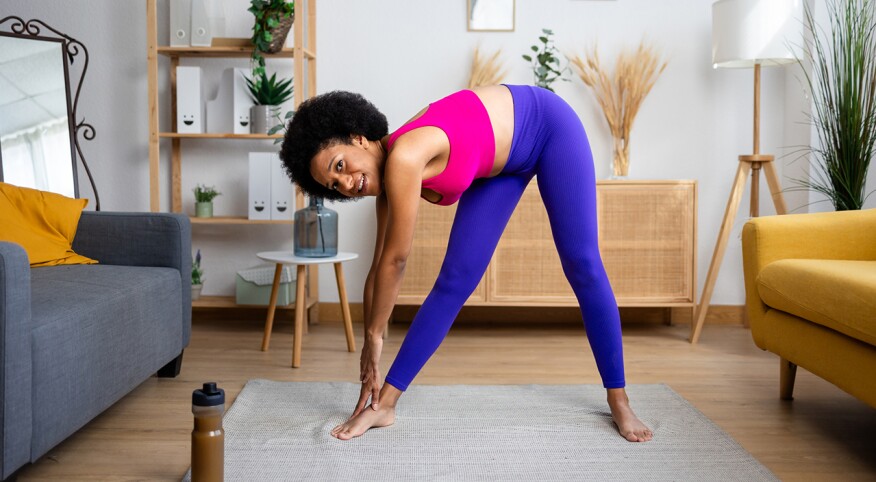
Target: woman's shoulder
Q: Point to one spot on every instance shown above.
(419, 144)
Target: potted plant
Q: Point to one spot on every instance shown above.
(204, 196)
(273, 19)
(843, 88)
(546, 65)
(267, 93)
(197, 276)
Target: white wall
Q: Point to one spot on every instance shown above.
(402, 54)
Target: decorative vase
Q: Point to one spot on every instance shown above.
(316, 230)
(204, 210)
(263, 117)
(279, 34)
(196, 291)
(620, 163)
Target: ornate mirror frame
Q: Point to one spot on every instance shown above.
(71, 48)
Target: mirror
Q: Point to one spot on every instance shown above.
(491, 15)
(36, 125)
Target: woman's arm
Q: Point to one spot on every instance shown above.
(402, 187)
(397, 214)
(382, 207)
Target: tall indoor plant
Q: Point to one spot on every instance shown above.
(273, 19)
(842, 83)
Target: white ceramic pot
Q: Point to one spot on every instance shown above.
(196, 291)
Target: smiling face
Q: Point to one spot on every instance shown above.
(354, 170)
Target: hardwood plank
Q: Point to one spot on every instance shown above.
(824, 434)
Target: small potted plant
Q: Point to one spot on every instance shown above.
(546, 66)
(204, 196)
(273, 19)
(267, 93)
(197, 276)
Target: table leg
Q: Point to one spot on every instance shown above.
(300, 306)
(269, 323)
(345, 307)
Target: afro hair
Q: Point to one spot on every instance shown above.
(323, 121)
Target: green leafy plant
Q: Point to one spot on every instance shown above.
(843, 87)
(197, 272)
(281, 125)
(546, 66)
(205, 194)
(266, 90)
(268, 16)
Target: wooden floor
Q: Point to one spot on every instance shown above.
(824, 434)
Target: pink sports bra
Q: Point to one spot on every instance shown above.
(464, 119)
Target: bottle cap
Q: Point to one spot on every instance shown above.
(208, 396)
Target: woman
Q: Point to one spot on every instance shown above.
(480, 147)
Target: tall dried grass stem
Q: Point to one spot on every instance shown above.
(486, 71)
(621, 95)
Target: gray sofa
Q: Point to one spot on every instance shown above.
(76, 339)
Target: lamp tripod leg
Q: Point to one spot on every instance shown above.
(726, 226)
(769, 170)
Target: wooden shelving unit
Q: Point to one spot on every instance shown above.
(303, 52)
(230, 302)
(235, 220)
(177, 135)
(227, 52)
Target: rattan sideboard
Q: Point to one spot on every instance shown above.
(647, 238)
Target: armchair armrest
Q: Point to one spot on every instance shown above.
(15, 366)
(141, 239)
(832, 235)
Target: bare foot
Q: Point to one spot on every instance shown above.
(368, 418)
(628, 425)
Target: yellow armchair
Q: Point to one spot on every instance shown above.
(810, 284)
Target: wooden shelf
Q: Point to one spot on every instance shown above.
(229, 302)
(227, 52)
(177, 135)
(234, 220)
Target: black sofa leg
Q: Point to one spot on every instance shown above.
(171, 370)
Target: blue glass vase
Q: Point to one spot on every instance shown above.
(316, 230)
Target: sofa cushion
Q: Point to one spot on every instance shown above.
(98, 332)
(43, 223)
(837, 294)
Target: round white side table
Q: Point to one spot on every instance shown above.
(288, 257)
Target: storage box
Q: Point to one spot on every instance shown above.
(189, 100)
(254, 286)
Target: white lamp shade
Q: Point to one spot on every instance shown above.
(749, 32)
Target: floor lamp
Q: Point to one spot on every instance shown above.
(749, 33)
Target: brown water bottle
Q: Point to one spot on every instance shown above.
(208, 438)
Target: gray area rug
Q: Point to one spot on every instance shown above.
(280, 431)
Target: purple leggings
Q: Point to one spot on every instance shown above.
(550, 142)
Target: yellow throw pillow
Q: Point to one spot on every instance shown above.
(43, 223)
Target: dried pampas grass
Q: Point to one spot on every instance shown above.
(622, 94)
(486, 72)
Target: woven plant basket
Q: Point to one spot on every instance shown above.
(279, 34)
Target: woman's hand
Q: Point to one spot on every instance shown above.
(369, 369)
